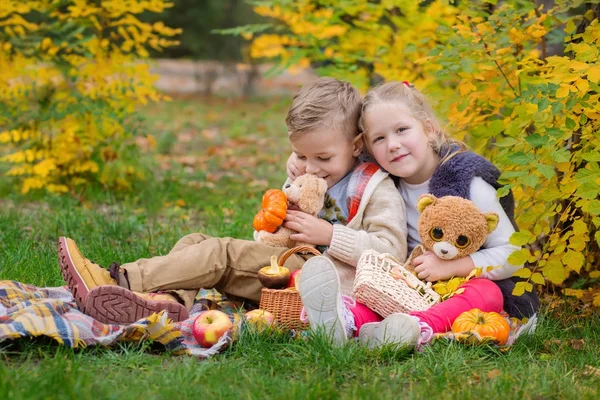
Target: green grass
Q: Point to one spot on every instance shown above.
(220, 188)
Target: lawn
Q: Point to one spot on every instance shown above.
(215, 158)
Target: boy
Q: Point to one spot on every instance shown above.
(323, 131)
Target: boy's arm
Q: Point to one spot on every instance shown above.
(497, 247)
(383, 228)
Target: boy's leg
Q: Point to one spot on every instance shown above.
(228, 265)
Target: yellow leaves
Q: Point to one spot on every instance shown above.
(573, 260)
(519, 257)
(522, 287)
(582, 85)
(465, 87)
(44, 168)
(563, 91)
(578, 293)
(86, 105)
(449, 288)
(554, 270)
(593, 74)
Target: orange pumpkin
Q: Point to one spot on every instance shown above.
(274, 208)
(486, 324)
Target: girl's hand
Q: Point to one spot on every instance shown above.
(293, 167)
(431, 268)
(311, 230)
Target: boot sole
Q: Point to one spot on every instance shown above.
(76, 284)
(116, 305)
(398, 329)
(319, 288)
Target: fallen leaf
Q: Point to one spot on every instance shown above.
(591, 371)
(259, 183)
(577, 344)
(494, 373)
(209, 133)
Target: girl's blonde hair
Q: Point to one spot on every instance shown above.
(419, 107)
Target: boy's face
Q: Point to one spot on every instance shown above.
(327, 153)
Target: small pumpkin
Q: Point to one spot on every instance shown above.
(274, 209)
(486, 324)
(274, 276)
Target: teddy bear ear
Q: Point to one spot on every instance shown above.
(492, 221)
(424, 201)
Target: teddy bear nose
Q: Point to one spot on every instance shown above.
(287, 185)
(444, 251)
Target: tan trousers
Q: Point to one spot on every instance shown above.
(201, 261)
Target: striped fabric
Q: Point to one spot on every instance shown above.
(30, 311)
(356, 187)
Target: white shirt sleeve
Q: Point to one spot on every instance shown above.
(496, 248)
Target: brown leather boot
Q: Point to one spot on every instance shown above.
(80, 274)
(116, 305)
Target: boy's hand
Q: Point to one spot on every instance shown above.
(431, 268)
(293, 167)
(311, 230)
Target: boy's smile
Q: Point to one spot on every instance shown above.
(327, 153)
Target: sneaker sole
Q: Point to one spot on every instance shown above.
(116, 305)
(319, 288)
(399, 329)
(76, 284)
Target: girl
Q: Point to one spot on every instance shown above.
(402, 134)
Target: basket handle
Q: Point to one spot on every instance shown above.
(298, 249)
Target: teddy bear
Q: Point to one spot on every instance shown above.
(306, 193)
(451, 227)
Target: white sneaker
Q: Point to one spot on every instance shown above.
(400, 329)
(319, 288)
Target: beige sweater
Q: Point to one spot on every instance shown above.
(379, 224)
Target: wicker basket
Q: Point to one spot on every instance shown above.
(376, 287)
(285, 304)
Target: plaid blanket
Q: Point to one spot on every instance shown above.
(29, 311)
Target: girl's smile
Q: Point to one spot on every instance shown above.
(400, 142)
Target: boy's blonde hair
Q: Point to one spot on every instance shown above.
(419, 107)
(326, 103)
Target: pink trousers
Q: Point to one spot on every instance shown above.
(479, 293)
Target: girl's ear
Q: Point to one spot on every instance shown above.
(357, 144)
(430, 128)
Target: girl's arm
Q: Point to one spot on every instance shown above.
(496, 248)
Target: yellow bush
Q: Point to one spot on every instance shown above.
(69, 84)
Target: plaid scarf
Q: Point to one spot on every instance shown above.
(356, 187)
(29, 311)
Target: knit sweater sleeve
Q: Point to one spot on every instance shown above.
(381, 227)
(496, 249)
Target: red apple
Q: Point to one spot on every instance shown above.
(260, 318)
(209, 326)
(294, 277)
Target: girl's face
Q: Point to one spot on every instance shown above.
(399, 142)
